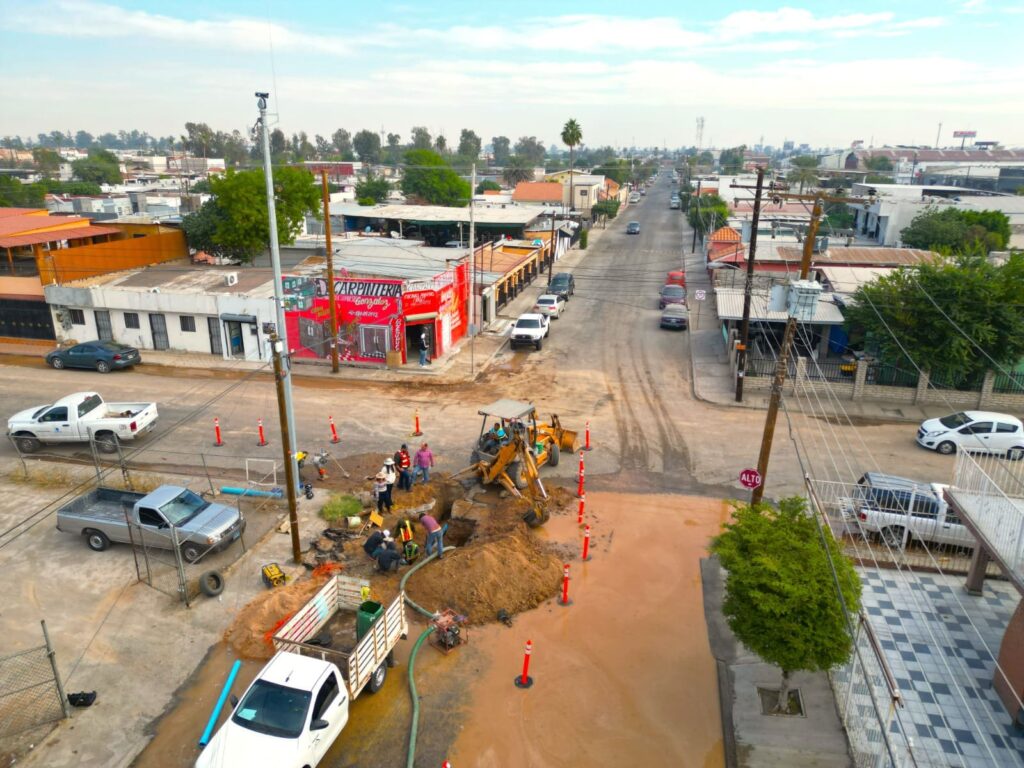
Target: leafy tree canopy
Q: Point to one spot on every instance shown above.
(373, 188)
(531, 148)
(609, 208)
(421, 138)
(984, 300)
(100, 167)
(500, 145)
(14, 194)
(957, 231)
(804, 161)
(879, 163)
(469, 144)
(46, 160)
(617, 170)
(780, 599)
(487, 186)
(707, 213)
(342, 141)
(367, 146)
(430, 179)
(234, 223)
(731, 160)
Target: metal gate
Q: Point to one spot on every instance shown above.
(103, 328)
(158, 323)
(31, 693)
(26, 319)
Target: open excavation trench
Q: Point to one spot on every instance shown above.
(498, 564)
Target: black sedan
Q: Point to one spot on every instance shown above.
(633, 228)
(104, 356)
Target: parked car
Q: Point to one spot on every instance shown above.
(899, 509)
(676, 277)
(643, 192)
(675, 317)
(74, 418)
(633, 228)
(673, 204)
(549, 304)
(104, 356)
(634, 198)
(975, 432)
(563, 284)
(671, 294)
(530, 329)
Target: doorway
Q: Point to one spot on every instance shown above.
(216, 347)
(103, 328)
(158, 324)
(236, 342)
(412, 341)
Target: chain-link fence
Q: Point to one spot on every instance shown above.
(31, 694)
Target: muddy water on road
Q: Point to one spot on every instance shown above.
(624, 676)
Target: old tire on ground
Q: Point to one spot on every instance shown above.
(554, 454)
(191, 552)
(106, 443)
(378, 677)
(946, 448)
(211, 583)
(103, 366)
(28, 444)
(57, 363)
(97, 540)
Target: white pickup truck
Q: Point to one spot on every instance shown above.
(299, 702)
(530, 329)
(71, 420)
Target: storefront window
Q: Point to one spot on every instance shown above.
(374, 340)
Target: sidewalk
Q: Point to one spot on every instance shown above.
(466, 361)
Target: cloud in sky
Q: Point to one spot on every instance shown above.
(631, 74)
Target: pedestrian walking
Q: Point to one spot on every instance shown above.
(403, 461)
(435, 534)
(424, 346)
(423, 464)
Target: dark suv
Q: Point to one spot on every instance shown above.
(562, 284)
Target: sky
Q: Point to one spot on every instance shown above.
(632, 73)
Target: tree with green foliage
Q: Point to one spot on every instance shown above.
(342, 142)
(607, 208)
(47, 161)
(781, 599)
(14, 194)
(943, 312)
(531, 148)
(878, 163)
(617, 170)
(517, 169)
(501, 147)
(705, 158)
(804, 171)
(234, 224)
(707, 213)
(421, 138)
(731, 160)
(429, 179)
(373, 188)
(100, 167)
(487, 185)
(469, 144)
(83, 139)
(572, 135)
(957, 231)
(441, 145)
(367, 146)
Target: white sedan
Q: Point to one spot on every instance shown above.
(549, 304)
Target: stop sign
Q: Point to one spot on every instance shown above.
(750, 478)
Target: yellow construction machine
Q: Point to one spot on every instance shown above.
(513, 446)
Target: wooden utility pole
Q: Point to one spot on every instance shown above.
(286, 446)
(696, 201)
(332, 305)
(748, 287)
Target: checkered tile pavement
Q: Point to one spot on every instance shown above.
(942, 666)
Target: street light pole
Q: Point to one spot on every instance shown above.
(748, 287)
(330, 271)
(285, 387)
(472, 277)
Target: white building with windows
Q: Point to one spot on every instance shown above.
(208, 311)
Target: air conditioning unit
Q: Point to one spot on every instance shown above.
(231, 278)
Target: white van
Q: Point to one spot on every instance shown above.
(974, 432)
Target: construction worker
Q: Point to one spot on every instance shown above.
(435, 534)
(404, 463)
(377, 541)
(390, 476)
(380, 492)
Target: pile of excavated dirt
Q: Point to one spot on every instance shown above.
(249, 634)
(514, 572)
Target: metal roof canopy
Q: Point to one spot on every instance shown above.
(507, 409)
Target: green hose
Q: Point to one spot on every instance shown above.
(414, 728)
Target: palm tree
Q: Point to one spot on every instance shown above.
(572, 135)
(802, 176)
(517, 168)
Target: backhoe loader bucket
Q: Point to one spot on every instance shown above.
(565, 438)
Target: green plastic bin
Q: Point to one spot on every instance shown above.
(366, 616)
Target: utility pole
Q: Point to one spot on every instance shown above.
(780, 366)
(285, 406)
(280, 378)
(748, 287)
(330, 271)
(696, 202)
(551, 244)
(472, 276)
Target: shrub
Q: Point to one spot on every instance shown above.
(583, 239)
(339, 507)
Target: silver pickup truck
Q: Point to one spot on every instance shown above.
(199, 526)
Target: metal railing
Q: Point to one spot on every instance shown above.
(765, 366)
(887, 375)
(31, 693)
(990, 492)
(1008, 383)
(830, 370)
